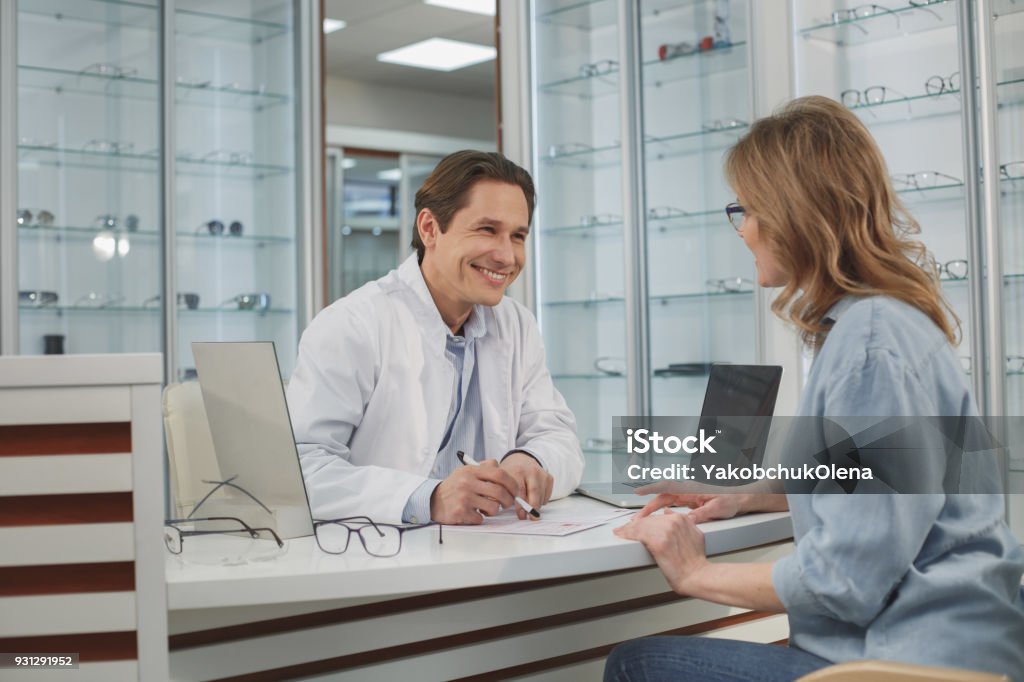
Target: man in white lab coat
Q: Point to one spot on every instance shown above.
(398, 377)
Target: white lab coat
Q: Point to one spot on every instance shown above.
(371, 391)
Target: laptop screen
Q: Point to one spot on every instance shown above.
(252, 431)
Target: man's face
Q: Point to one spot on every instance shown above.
(483, 250)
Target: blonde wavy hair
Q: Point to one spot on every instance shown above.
(817, 183)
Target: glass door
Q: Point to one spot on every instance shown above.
(1009, 68)
(696, 102)
(578, 225)
(897, 67)
(89, 225)
(365, 242)
(236, 184)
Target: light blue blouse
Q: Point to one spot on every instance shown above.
(927, 578)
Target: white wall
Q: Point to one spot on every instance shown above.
(361, 104)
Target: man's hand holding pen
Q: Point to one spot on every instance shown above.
(481, 489)
(472, 492)
(533, 480)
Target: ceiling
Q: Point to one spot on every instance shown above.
(380, 25)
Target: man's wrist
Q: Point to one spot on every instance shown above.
(520, 452)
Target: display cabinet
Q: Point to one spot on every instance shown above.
(161, 194)
(640, 280)
(954, 148)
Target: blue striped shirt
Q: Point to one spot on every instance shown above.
(465, 418)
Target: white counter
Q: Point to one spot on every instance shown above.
(304, 573)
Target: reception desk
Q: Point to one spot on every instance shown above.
(478, 606)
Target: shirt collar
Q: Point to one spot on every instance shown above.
(838, 308)
(409, 272)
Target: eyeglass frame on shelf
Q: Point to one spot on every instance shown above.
(182, 534)
(730, 285)
(914, 179)
(722, 124)
(1004, 170)
(109, 70)
(102, 300)
(665, 213)
(592, 219)
(943, 83)
(867, 99)
(567, 148)
(601, 67)
(850, 16)
(1014, 364)
(367, 523)
(939, 268)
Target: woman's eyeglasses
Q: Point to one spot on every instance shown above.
(735, 213)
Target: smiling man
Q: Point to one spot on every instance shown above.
(398, 377)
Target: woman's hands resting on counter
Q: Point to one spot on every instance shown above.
(716, 506)
(677, 545)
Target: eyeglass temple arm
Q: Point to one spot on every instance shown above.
(228, 482)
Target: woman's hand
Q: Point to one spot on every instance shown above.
(674, 541)
(714, 506)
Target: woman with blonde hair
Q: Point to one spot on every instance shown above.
(934, 578)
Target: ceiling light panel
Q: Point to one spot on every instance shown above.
(332, 25)
(439, 54)
(475, 6)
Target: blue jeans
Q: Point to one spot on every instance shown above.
(701, 659)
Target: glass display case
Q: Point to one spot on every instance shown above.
(899, 68)
(688, 64)
(105, 210)
(89, 228)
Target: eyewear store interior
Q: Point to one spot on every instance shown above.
(220, 170)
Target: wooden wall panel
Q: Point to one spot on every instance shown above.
(53, 510)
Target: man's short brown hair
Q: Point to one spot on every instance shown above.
(446, 191)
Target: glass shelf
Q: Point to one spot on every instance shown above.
(198, 93)
(886, 24)
(130, 161)
(664, 298)
(257, 239)
(87, 234)
(153, 309)
(955, 192)
(143, 15)
(1004, 7)
(588, 15)
(1008, 280)
(598, 377)
(586, 377)
(614, 229)
(592, 157)
(140, 15)
(657, 72)
(655, 148)
(199, 24)
(917, 107)
(731, 58)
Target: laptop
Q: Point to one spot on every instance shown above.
(737, 391)
(252, 436)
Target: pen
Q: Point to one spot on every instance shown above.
(469, 461)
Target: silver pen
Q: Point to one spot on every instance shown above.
(469, 461)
